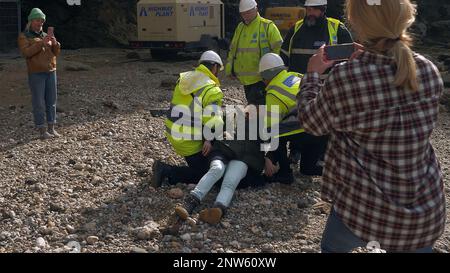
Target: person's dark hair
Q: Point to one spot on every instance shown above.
(209, 65)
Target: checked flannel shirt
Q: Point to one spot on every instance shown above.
(381, 172)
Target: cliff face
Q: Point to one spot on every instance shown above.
(98, 23)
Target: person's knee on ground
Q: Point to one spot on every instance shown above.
(312, 170)
(309, 165)
(311, 155)
(284, 174)
(160, 173)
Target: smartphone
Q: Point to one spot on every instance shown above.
(51, 31)
(339, 52)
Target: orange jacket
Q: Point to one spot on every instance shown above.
(40, 58)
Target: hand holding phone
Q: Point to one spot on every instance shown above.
(339, 52)
(51, 31)
(319, 63)
(48, 41)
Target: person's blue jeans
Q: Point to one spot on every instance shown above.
(338, 238)
(43, 97)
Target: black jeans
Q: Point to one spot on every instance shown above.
(197, 167)
(312, 148)
(255, 93)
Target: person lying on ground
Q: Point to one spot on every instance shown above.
(232, 160)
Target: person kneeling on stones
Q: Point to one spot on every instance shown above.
(233, 160)
(196, 94)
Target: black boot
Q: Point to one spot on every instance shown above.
(161, 172)
(283, 178)
(189, 204)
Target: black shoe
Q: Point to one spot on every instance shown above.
(221, 207)
(160, 174)
(317, 171)
(283, 178)
(189, 204)
(294, 158)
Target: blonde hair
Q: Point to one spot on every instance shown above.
(383, 28)
(27, 27)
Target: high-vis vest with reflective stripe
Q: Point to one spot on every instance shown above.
(185, 130)
(249, 44)
(333, 27)
(282, 92)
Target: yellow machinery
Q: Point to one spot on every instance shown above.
(170, 26)
(285, 17)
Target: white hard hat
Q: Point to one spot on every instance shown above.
(315, 3)
(270, 61)
(211, 56)
(246, 5)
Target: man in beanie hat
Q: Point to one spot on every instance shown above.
(40, 51)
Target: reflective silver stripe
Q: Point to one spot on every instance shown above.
(303, 51)
(272, 113)
(282, 92)
(285, 52)
(176, 134)
(247, 74)
(255, 50)
(200, 91)
(197, 101)
(214, 107)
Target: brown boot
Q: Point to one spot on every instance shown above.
(213, 215)
(184, 210)
(51, 130)
(44, 134)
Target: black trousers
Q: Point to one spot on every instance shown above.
(197, 167)
(255, 93)
(312, 148)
